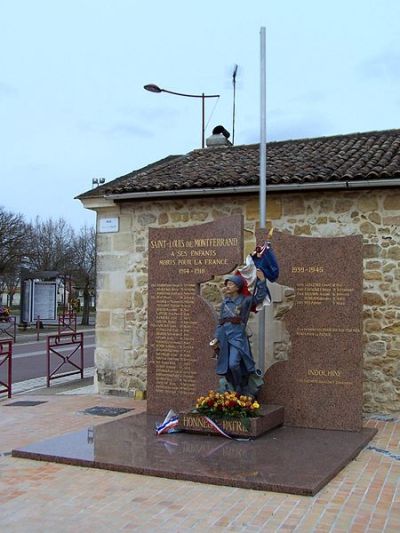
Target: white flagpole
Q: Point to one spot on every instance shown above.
(263, 184)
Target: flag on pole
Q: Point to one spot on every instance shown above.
(265, 259)
(262, 258)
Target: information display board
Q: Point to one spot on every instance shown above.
(44, 301)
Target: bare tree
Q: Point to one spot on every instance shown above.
(83, 267)
(50, 245)
(13, 232)
(9, 283)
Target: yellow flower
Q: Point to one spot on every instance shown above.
(255, 405)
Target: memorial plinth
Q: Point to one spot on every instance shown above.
(270, 417)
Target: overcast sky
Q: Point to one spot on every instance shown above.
(72, 104)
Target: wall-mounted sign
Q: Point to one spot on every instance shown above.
(109, 225)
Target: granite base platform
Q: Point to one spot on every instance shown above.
(286, 459)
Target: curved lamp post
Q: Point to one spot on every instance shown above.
(156, 89)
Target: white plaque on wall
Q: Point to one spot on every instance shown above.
(108, 225)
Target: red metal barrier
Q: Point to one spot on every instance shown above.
(69, 348)
(67, 322)
(37, 327)
(6, 357)
(8, 328)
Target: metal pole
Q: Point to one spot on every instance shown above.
(64, 293)
(263, 184)
(263, 151)
(234, 103)
(202, 118)
(10, 357)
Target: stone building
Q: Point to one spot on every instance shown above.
(329, 186)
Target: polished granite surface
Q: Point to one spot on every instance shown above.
(287, 459)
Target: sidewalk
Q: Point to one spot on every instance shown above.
(65, 385)
(39, 496)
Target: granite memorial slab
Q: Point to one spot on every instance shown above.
(180, 322)
(320, 383)
(286, 459)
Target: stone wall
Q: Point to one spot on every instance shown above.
(122, 275)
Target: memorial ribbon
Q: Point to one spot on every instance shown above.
(217, 428)
(222, 432)
(169, 424)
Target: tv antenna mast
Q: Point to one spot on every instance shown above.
(234, 102)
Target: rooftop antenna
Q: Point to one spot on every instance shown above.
(96, 182)
(234, 102)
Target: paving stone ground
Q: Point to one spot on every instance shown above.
(39, 496)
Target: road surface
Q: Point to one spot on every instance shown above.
(29, 359)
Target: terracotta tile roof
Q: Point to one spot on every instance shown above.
(357, 156)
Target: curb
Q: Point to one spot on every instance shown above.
(64, 385)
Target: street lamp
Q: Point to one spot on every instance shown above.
(156, 89)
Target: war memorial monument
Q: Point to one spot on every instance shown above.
(311, 399)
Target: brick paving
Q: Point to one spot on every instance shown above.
(39, 496)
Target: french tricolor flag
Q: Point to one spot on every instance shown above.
(262, 258)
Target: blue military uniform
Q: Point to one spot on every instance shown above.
(235, 360)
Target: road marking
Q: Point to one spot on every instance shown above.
(26, 343)
(44, 352)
